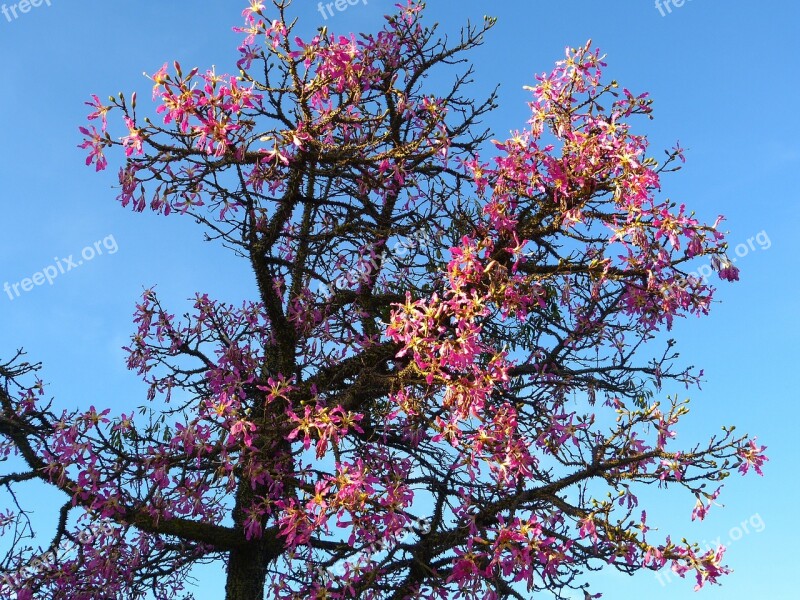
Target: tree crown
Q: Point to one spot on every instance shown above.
(442, 389)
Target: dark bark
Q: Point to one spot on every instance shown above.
(247, 571)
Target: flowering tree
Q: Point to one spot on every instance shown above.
(446, 386)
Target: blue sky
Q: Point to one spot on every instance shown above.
(724, 77)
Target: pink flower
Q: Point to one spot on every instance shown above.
(673, 468)
(160, 77)
(100, 111)
(304, 427)
(133, 141)
(588, 528)
(255, 8)
(95, 142)
(299, 136)
(242, 429)
(249, 54)
(701, 510)
(752, 456)
(724, 266)
(275, 153)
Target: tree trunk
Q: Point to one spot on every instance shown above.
(247, 571)
(247, 563)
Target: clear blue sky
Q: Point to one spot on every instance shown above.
(724, 77)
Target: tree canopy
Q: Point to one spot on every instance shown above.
(451, 381)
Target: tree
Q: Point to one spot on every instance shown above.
(446, 386)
